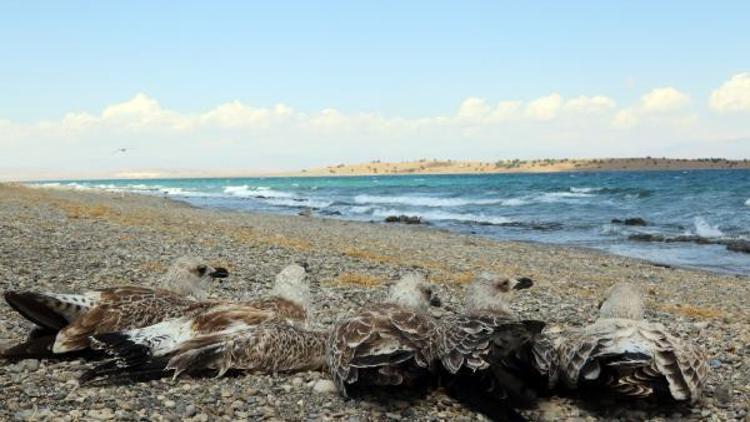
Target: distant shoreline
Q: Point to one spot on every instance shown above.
(444, 167)
(426, 167)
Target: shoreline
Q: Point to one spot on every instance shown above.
(427, 224)
(65, 240)
(458, 171)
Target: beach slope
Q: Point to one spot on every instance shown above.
(68, 241)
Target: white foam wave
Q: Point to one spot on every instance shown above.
(584, 190)
(245, 191)
(515, 202)
(422, 201)
(705, 229)
(747, 203)
(301, 202)
(549, 197)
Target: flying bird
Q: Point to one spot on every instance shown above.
(388, 344)
(66, 321)
(264, 334)
(623, 354)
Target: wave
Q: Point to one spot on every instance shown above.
(422, 201)
(561, 196)
(706, 230)
(747, 203)
(245, 191)
(584, 190)
(299, 202)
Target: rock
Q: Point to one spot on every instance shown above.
(739, 246)
(722, 395)
(714, 363)
(190, 410)
(307, 212)
(635, 221)
(31, 364)
(324, 386)
(404, 219)
(104, 414)
(169, 404)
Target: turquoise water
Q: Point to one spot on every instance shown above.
(710, 206)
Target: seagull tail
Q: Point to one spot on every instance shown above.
(147, 371)
(44, 311)
(125, 352)
(200, 354)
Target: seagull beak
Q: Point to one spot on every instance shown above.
(435, 301)
(523, 283)
(219, 272)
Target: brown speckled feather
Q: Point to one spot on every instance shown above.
(267, 347)
(381, 345)
(632, 358)
(125, 308)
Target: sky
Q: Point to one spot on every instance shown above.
(219, 86)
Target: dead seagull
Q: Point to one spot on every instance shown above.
(67, 320)
(388, 344)
(266, 334)
(628, 356)
(487, 351)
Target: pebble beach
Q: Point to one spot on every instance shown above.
(68, 241)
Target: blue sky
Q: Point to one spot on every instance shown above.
(404, 60)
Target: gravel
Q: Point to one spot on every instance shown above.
(68, 241)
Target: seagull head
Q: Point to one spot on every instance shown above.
(414, 292)
(489, 291)
(291, 284)
(622, 300)
(191, 276)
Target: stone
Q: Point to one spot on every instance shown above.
(190, 410)
(634, 221)
(324, 386)
(404, 219)
(739, 246)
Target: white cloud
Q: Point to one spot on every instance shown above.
(236, 135)
(733, 95)
(236, 114)
(584, 104)
(657, 106)
(625, 119)
(544, 108)
(473, 109)
(664, 99)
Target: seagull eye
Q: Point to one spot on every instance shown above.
(202, 270)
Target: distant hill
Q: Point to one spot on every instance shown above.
(522, 166)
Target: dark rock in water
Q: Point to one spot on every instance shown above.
(404, 219)
(687, 238)
(520, 224)
(738, 246)
(647, 237)
(635, 221)
(329, 212)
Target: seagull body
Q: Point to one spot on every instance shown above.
(268, 334)
(628, 356)
(389, 344)
(67, 320)
(485, 350)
